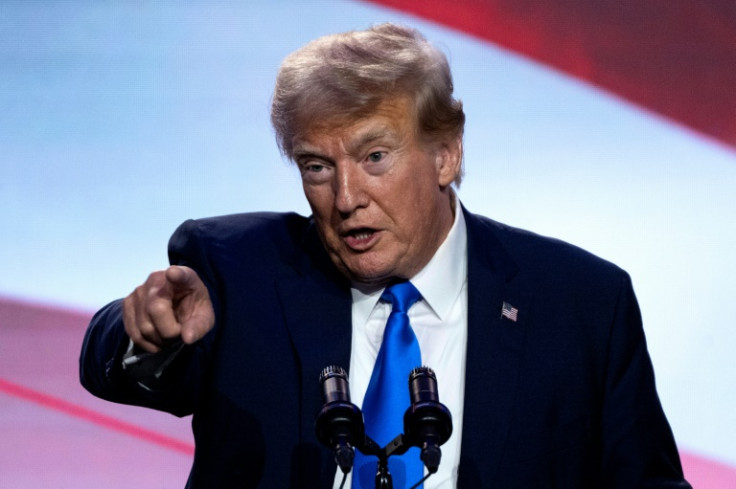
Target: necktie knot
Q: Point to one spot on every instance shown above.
(401, 296)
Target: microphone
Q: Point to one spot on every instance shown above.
(427, 422)
(339, 425)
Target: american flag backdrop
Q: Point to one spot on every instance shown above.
(611, 125)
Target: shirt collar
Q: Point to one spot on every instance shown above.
(439, 282)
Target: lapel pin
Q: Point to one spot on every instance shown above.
(509, 312)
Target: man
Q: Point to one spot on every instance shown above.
(538, 346)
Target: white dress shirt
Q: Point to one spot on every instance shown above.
(439, 321)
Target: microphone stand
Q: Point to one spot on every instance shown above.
(397, 446)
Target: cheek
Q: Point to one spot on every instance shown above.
(319, 201)
(416, 202)
(321, 204)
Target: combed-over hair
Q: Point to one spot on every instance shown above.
(347, 75)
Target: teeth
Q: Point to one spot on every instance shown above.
(363, 235)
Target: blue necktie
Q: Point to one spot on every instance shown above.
(387, 397)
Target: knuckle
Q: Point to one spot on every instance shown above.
(158, 307)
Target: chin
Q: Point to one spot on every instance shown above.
(365, 268)
(372, 278)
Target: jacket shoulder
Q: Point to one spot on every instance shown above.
(248, 225)
(261, 232)
(537, 255)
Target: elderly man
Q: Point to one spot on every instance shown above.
(537, 346)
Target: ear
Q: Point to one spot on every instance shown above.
(449, 159)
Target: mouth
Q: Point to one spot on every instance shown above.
(360, 239)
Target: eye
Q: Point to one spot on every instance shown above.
(376, 156)
(312, 168)
(309, 164)
(315, 172)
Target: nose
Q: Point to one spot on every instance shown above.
(349, 189)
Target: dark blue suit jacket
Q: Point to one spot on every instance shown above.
(564, 397)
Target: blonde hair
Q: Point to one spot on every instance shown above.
(347, 75)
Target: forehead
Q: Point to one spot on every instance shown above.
(393, 118)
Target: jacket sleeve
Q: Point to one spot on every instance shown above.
(638, 448)
(101, 361)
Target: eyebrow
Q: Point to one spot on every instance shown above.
(370, 136)
(373, 134)
(306, 152)
(303, 149)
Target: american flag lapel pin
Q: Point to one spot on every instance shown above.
(509, 312)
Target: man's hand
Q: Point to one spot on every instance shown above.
(172, 303)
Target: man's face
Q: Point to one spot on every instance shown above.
(380, 196)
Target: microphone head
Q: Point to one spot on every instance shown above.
(423, 385)
(334, 382)
(339, 424)
(426, 416)
(427, 422)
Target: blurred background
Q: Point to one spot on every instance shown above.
(611, 125)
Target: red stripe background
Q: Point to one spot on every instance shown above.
(674, 57)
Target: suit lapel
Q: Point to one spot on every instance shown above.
(316, 303)
(494, 353)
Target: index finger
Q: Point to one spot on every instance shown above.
(160, 308)
(181, 276)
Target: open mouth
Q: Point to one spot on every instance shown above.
(359, 238)
(361, 234)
